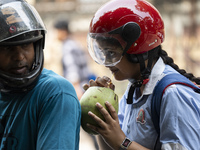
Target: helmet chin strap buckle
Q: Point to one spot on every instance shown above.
(145, 81)
(139, 83)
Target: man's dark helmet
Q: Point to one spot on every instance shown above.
(20, 23)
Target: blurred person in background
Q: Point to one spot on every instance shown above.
(75, 62)
(38, 108)
(74, 58)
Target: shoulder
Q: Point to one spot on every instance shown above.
(177, 99)
(49, 81)
(180, 108)
(182, 92)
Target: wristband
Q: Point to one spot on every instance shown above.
(125, 144)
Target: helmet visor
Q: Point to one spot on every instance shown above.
(105, 49)
(18, 18)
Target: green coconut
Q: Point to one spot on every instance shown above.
(88, 103)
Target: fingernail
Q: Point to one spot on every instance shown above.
(89, 112)
(98, 104)
(107, 102)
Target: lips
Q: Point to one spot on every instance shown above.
(19, 70)
(113, 70)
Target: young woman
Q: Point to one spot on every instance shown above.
(126, 36)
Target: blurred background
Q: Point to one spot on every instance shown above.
(182, 28)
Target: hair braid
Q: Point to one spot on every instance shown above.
(168, 60)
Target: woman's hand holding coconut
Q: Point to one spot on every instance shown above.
(102, 82)
(108, 126)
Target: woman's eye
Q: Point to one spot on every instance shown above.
(111, 53)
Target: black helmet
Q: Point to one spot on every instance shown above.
(19, 24)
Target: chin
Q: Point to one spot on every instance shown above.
(119, 78)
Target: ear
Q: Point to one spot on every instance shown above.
(130, 32)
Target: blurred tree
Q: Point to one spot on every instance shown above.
(193, 13)
(167, 6)
(185, 11)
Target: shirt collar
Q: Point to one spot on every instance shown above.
(155, 76)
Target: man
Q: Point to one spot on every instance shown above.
(38, 108)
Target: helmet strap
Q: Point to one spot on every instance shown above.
(129, 99)
(145, 70)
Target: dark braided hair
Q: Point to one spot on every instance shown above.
(169, 61)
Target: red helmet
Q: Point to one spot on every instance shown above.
(138, 23)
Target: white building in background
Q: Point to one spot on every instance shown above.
(32, 2)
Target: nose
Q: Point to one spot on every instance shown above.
(17, 53)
